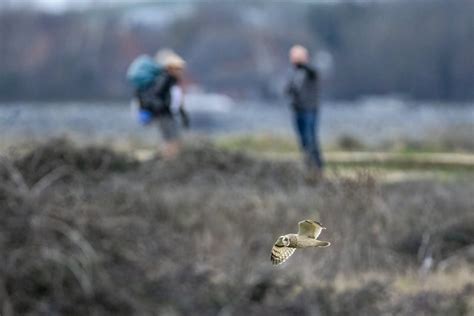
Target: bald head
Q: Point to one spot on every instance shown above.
(299, 55)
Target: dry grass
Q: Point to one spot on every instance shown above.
(91, 232)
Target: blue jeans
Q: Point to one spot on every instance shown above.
(306, 124)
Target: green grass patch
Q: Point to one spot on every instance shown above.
(258, 143)
(285, 148)
(403, 165)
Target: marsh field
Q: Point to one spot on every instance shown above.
(100, 229)
(93, 220)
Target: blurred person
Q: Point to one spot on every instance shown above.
(159, 95)
(302, 89)
(173, 94)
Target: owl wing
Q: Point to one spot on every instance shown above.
(308, 229)
(281, 254)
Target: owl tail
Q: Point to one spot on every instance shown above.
(321, 243)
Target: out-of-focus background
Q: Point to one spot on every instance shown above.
(92, 225)
(392, 71)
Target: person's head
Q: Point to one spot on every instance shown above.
(175, 65)
(162, 54)
(299, 55)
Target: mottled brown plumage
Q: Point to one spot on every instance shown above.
(308, 232)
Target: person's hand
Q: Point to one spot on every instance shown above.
(184, 117)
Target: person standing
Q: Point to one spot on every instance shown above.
(302, 88)
(171, 93)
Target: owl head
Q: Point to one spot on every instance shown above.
(283, 241)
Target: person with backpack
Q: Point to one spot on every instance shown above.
(160, 96)
(302, 89)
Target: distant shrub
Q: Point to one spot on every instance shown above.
(60, 153)
(348, 142)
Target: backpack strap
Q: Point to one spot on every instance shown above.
(156, 97)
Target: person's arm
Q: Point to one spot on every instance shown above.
(176, 99)
(310, 71)
(177, 104)
(291, 89)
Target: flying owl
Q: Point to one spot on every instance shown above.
(308, 232)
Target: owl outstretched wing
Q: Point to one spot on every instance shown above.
(280, 254)
(308, 228)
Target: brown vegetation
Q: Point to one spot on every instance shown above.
(92, 232)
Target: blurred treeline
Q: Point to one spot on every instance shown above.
(421, 49)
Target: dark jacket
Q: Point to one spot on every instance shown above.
(156, 98)
(302, 87)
